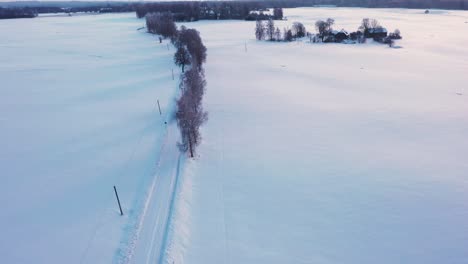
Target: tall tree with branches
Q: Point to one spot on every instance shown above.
(190, 114)
(182, 57)
(270, 29)
(278, 34)
(259, 30)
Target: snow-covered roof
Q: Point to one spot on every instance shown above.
(378, 30)
(334, 32)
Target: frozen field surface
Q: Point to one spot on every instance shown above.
(331, 153)
(78, 115)
(313, 153)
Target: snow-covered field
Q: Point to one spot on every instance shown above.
(78, 115)
(331, 153)
(313, 153)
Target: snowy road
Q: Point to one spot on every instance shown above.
(151, 234)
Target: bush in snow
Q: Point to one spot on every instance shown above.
(389, 41)
(395, 34)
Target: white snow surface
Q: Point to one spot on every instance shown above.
(78, 115)
(330, 153)
(324, 153)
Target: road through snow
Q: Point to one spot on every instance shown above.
(151, 233)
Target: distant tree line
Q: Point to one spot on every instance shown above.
(201, 10)
(109, 8)
(26, 12)
(211, 10)
(190, 52)
(33, 11)
(197, 10)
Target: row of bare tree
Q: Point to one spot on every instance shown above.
(192, 53)
(267, 30)
(190, 114)
(212, 10)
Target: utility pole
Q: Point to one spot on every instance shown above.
(159, 107)
(118, 200)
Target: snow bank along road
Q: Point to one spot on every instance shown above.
(78, 115)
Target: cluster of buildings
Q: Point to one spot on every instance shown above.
(342, 36)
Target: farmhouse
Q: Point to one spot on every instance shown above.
(376, 33)
(336, 36)
(340, 35)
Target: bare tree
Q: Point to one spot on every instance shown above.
(161, 23)
(278, 34)
(182, 57)
(270, 29)
(368, 24)
(389, 41)
(324, 28)
(190, 38)
(298, 30)
(365, 25)
(190, 114)
(193, 81)
(321, 27)
(287, 35)
(259, 30)
(374, 23)
(330, 23)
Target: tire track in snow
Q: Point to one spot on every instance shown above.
(156, 211)
(148, 244)
(129, 251)
(171, 211)
(100, 220)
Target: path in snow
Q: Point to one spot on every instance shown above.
(151, 234)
